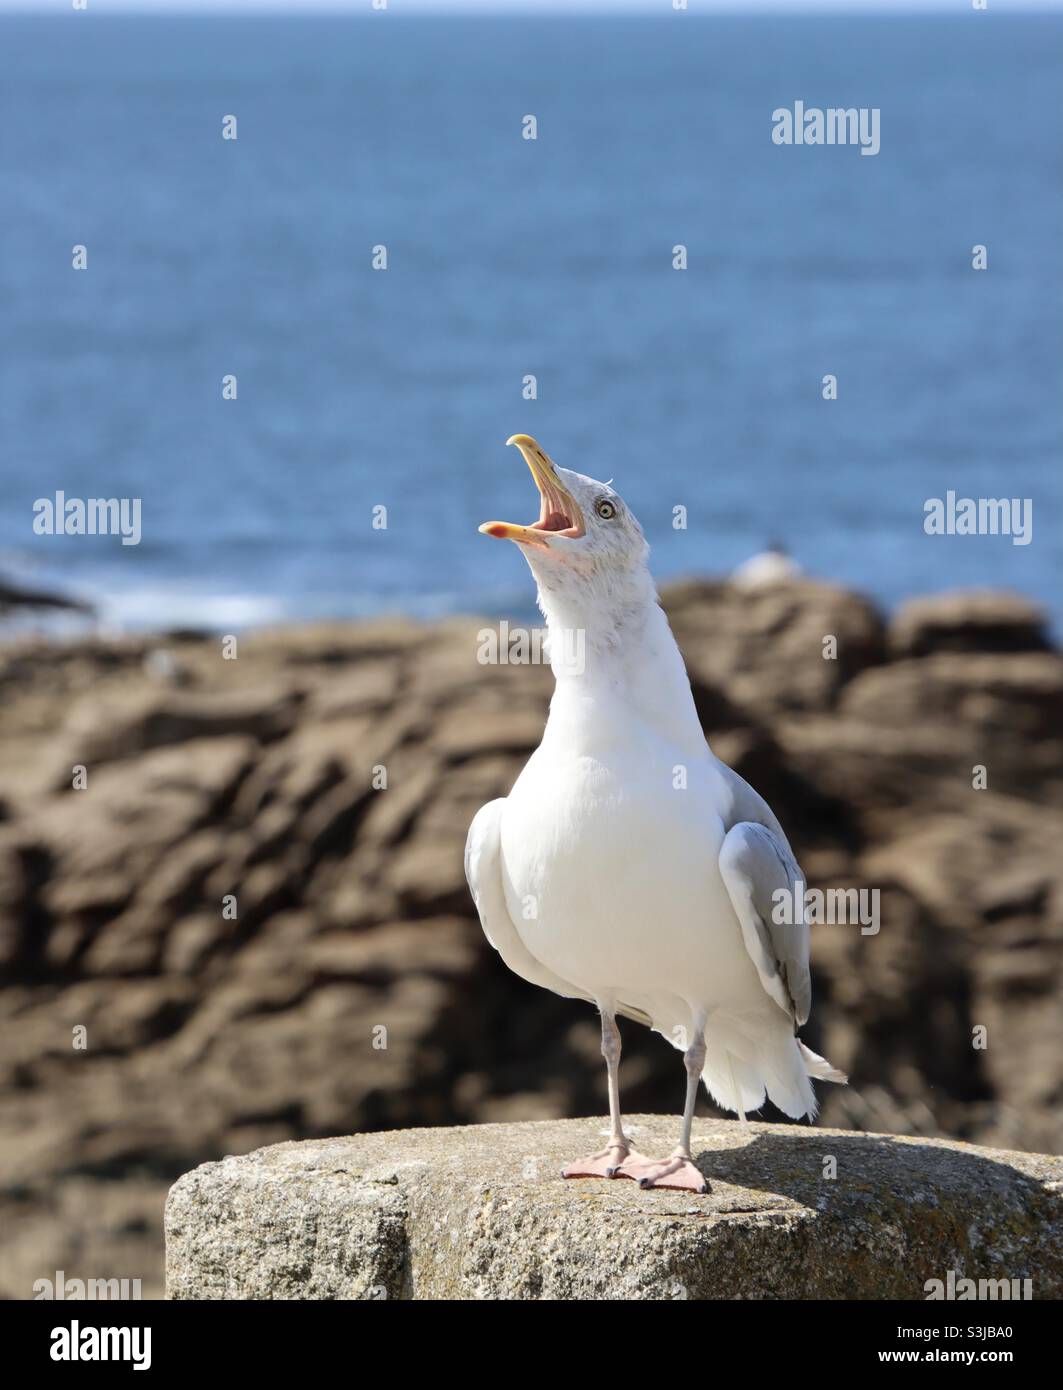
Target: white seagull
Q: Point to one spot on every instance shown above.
(628, 866)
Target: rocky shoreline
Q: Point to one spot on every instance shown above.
(348, 987)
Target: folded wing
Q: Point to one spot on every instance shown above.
(767, 890)
(483, 870)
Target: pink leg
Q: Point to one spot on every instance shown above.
(607, 1162)
(678, 1171)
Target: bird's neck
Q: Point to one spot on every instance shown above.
(620, 653)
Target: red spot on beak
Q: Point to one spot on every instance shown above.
(499, 531)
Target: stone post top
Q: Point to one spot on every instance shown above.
(481, 1212)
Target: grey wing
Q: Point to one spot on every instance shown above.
(483, 870)
(767, 890)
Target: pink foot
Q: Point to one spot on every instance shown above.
(605, 1164)
(675, 1172)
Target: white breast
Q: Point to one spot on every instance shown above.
(611, 872)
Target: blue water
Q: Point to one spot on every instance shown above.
(359, 387)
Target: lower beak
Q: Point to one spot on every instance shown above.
(559, 513)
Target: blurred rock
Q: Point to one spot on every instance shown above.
(971, 620)
(766, 649)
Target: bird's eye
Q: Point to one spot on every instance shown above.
(605, 509)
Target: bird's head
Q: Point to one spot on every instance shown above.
(587, 550)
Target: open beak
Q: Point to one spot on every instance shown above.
(559, 513)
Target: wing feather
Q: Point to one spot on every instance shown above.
(483, 870)
(756, 864)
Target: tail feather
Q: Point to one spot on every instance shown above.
(732, 1082)
(748, 1061)
(787, 1080)
(781, 1068)
(820, 1068)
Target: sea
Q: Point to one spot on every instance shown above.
(651, 286)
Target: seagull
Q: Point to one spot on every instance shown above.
(629, 867)
(771, 566)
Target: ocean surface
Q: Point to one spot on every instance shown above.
(508, 257)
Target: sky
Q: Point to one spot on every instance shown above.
(516, 6)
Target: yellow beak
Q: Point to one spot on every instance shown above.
(559, 513)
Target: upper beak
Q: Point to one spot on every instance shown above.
(559, 512)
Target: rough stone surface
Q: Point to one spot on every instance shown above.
(481, 1212)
